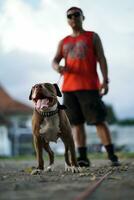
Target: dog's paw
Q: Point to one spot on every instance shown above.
(50, 168)
(36, 171)
(72, 169)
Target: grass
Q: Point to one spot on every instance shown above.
(126, 155)
(122, 155)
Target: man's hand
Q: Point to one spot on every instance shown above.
(60, 69)
(104, 88)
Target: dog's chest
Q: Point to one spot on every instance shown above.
(50, 128)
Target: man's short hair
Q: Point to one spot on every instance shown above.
(73, 8)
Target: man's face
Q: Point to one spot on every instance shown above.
(75, 18)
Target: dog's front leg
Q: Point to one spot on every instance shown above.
(66, 154)
(71, 148)
(72, 152)
(39, 151)
(51, 156)
(74, 165)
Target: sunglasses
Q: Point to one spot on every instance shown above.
(76, 14)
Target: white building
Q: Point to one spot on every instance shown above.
(13, 118)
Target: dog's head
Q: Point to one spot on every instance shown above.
(44, 95)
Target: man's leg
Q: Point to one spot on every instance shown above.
(79, 136)
(104, 134)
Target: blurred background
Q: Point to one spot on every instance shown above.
(29, 34)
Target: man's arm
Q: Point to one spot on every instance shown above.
(102, 61)
(57, 59)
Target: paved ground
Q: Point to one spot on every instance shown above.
(16, 183)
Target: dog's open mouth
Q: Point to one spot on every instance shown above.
(43, 102)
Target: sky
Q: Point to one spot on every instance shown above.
(31, 29)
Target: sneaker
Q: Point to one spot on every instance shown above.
(114, 161)
(83, 162)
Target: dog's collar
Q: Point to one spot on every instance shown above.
(51, 113)
(48, 114)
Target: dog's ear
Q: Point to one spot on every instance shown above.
(30, 96)
(57, 90)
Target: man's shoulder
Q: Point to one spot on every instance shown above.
(89, 32)
(89, 35)
(94, 35)
(66, 37)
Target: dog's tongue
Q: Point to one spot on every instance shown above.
(42, 103)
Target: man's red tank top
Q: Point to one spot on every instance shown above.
(81, 63)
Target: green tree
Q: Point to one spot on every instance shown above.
(111, 116)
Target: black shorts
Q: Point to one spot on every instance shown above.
(84, 106)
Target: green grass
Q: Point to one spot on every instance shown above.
(23, 157)
(126, 155)
(122, 155)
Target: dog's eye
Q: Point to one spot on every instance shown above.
(47, 85)
(38, 86)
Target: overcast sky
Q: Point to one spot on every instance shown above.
(31, 29)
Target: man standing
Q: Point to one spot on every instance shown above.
(81, 87)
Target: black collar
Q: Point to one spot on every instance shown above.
(48, 114)
(51, 113)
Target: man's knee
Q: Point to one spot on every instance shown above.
(78, 128)
(101, 124)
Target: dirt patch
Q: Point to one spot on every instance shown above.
(17, 183)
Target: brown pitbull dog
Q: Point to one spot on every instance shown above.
(50, 122)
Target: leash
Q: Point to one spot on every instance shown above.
(58, 82)
(89, 190)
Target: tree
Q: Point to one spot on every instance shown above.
(111, 116)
